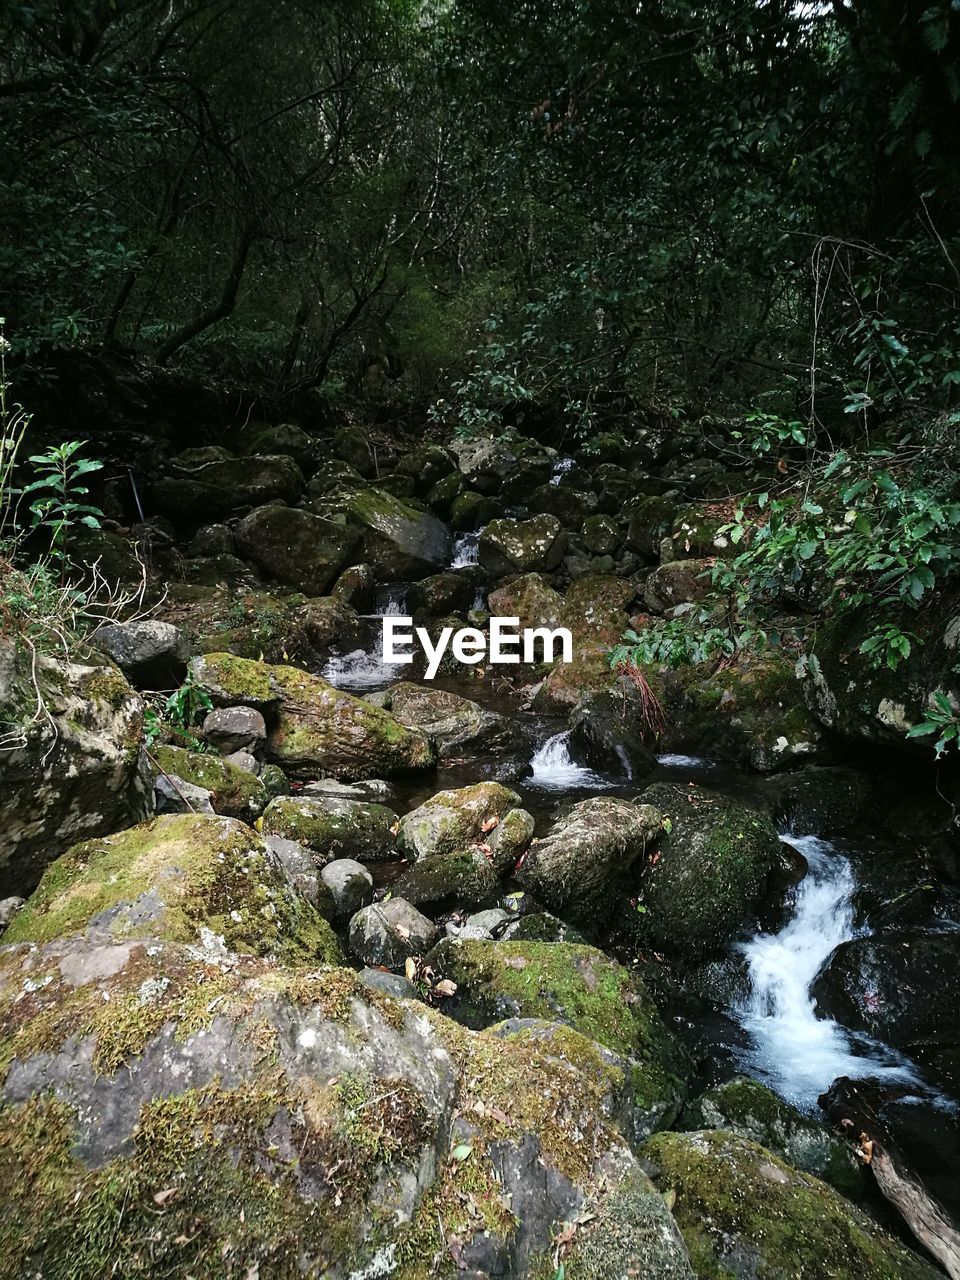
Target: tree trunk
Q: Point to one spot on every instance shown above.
(220, 310)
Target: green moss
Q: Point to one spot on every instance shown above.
(736, 1202)
(171, 878)
(233, 792)
(241, 679)
(106, 685)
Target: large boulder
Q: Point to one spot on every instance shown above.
(448, 881)
(234, 792)
(457, 725)
(312, 727)
(483, 462)
(202, 485)
(609, 732)
(71, 759)
(582, 862)
(297, 548)
(189, 878)
(575, 985)
(744, 1212)
(400, 541)
(899, 988)
(333, 827)
(458, 820)
(713, 863)
(153, 654)
(522, 546)
(752, 1110)
(676, 583)
(651, 518)
(529, 598)
(175, 1114)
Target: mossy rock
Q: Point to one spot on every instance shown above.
(331, 827)
(568, 683)
(234, 792)
(448, 881)
(711, 868)
(632, 1233)
(595, 610)
(743, 1211)
(399, 540)
(651, 518)
(181, 878)
(567, 983)
(205, 488)
(456, 725)
(313, 727)
(752, 1110)
(453, 821)
(296, 547)
(522, 546)
(529, 598)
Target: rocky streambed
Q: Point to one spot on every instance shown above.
(360, 975)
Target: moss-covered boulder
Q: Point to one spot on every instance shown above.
(575, 985)
(449, 881)
(581, 865)
(752, 1110)
(602, 535)
(258, 624)
(333, 827)
(522, 546)
(676, 583)
(190, 878)
(631, 1233)
(314, 728)
(458, 726)
(651, 518)
(427, 465)
(470, 511)
(529, 598)
(569, 683)
(595, 610)
(172, 1115)
(456, 820)
(204, 487)
(234, 792)
(71, 759)
(824, 800)
(711, 867)
(441, 594)
(286, 439)
(570, 505)
(296, 547)
(695, 533)
(744, 1212)
(864, 700)
(399, 540)
(609, 731)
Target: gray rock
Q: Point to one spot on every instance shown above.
(200, 485)
(149, 652)
(231, 729)
(369, 789)
(8, 909)
(213, 540)
(483, 462)
(245, 761)
(529, 546)
(175, 795)
(350, 884)
(394, 985)
(296, 547)
(333, 828)
(456, 724)
(386, 933)
(299, 866)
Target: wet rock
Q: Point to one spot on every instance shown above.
(296, 547)
(213, 540)
(399, 541)
(233, 792)
(527, 546)
(206, 487)
(651, 518)
(753, 1111)
(823, 801)
(471, 511)
(331, 827)
(680, 582)
(715, 859)
(314, 727)
(580, 865)
(150, 653)
(602, 535)
(442, 593)
(356, 588)
(427, 465)
(742, 1211)
(327, 620)
(230, 729)
(458, 726)
(386, 933)
(574, 985)
(541, 926)
(570, 506)
(184, 878)
(483, 462)
(608, 733)
(456, 820)
(529, 598)
(350, 885)
(899, 988)
(71, 764)
(448, 880)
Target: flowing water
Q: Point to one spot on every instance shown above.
(796, 1052)
(466, 550)
(555, 770)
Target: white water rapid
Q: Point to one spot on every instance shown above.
(555, 770)
(466, 550)
(797, 1053)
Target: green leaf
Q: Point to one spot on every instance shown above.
(462, 1152)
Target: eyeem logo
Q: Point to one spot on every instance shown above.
(505, 645)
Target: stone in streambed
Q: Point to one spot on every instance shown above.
(153, 654)
(387, 933)
(350, 885)
(513, 546)
(457, 726)
(296, 547)
(457, 820)
(234, 792)
(332, 827)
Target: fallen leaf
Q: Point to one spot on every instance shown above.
(489, 823)
(401, 931)
(165, 1196)
(462, 1152)
(410, 969)
(445, 987)
(670, 1198)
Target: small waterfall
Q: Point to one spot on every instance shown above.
(673, 761)
(466, 550)
(555, 770)
(391, 601)
(796, 1052)
(360, 671)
